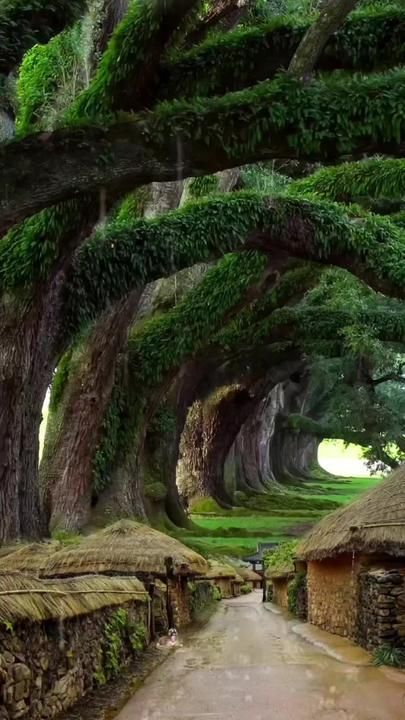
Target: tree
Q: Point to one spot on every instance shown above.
(135, 123)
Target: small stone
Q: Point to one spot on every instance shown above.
(44, 662)
(21, 672)
(19, 709)
(21, 690)
(8, 657)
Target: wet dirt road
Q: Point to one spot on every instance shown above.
(248, 663)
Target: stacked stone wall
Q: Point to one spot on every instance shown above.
(179, 597)
(333, 594)
(280, 592)
(381, 618)
(46, 667)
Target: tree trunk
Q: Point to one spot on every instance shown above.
(29, 337)
(75, 425)
(215, 426)
(332, 16)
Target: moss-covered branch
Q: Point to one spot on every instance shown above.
(320, 120)
(377, 179)
(135, 51)
(23, 23)
(371, 39)
(139, 251)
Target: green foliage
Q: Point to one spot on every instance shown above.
(60, 380)
(375, 178)
(130, 50)
(282, 557)
(205, 505)
(66, 538)
(370, 39)
(203, 186)
(245, 589)
(49, 78)
(217, 594)
(117, 632)
(111, 430)
(295, 588)
(389, 655)
(23, 23)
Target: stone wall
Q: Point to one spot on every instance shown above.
(381, 618)
(45, 667)
(333, 594)
(280, 592)
(180, 602)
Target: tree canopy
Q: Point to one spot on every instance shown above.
(202, 218)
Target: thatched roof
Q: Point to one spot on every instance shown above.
(217, 571)
(375, 523)
(23, 597)
(28, 558)
(127, 547)
(248, 575)
(281, 573)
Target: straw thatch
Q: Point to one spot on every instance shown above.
(127, 547)
(218, 570)
(28, 558)
(375, 523)
(23, 597)
(248, 575)
(281, 573)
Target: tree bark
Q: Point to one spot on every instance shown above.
(74, 429)
(29, 336)
(331, 17)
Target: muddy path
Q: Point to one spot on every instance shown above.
(249, 663)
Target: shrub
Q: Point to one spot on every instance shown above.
(297, 590)
(389, 655)
(245, 589)
(283, 556)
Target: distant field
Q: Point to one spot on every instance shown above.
(282, 516)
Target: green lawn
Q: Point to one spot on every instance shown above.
(277, 517)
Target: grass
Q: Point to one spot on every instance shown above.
(278, 517)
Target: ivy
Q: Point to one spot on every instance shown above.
(118, 631)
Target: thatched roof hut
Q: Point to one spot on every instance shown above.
(23, 597)
(373, 524)
(249, 575)
(28, 558)
(280, 573)
(217, 570)
(128, 548)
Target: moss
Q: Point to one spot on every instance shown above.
(376, 178)
(49, 77)
(203, 186)
(155, 491)
(371, 38)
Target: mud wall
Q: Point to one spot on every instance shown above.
(381, 618)
(46, 667)
(333, 594)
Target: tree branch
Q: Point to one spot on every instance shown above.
(274, 120)
(331, 17)
(255, 54)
